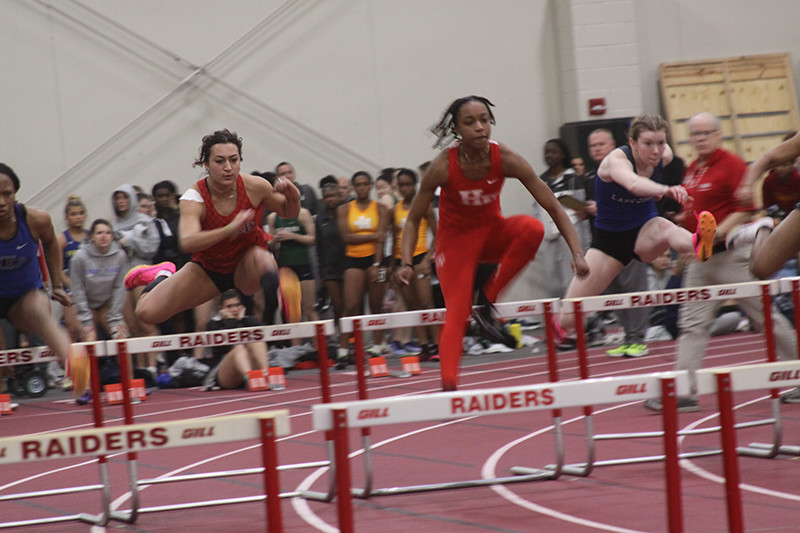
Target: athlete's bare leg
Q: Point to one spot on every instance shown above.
(187, 288)
(31, 314)
(772, 250)
(602, 270)
(659, 234)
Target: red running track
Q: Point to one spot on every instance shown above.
(626, 498)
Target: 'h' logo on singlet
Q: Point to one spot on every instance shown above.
(476, 197)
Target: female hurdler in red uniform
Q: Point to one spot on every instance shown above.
(218, 226)
(471, 229)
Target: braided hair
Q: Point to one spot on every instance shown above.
(445, 129)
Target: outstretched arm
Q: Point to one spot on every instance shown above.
(616, 167)
(514, 165)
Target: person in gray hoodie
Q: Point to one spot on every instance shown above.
(98, 291)
(138, 236)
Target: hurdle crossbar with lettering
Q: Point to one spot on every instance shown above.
(358, 324)
(339, 417)
(265, 426)
(755, 289)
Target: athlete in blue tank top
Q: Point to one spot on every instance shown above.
(618, 209)
(19, 266)
(22, 301)
(627, 225)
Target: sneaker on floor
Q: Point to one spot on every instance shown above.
(567, 344)
(84, 398)
(412, 349)
(560, 334)
(619, 351)
(377, 350)
(397, 348)
(793, 396)
(636, 350)
(685, 405)
(142, 275)
(490, 327)
(703, 238)
(745, 234)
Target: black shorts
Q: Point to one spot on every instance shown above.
(361, 263)
(222, 282)
(617, 244)
(7, 303)
(418, 258)
(304, 272)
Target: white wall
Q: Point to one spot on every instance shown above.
(686, 30)
(105, 92)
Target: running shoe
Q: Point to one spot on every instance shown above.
(397, 348)
(745, 234)
(619, 351)
(636, 350)
(377, 350)
(84, 398)
(412, 349)
(703, 238)
(142, 275)
(685, 405)
(490, 327)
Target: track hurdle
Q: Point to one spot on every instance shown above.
(726, 382)
(44, 354)
(358, 324)
(579, 306)
(339, 417)
(318, 329)
(265, 426)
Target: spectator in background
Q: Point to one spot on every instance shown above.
(345, 190)
(781, 187)
(363, 224)
(137, 234)
(554, 251)
(308, 198)
(69, 241)
(291, 240)
(98, 289)
(579, 167)
(712, 180)
(230, 364)
(168, 217)
(330, 250)
(418, 293)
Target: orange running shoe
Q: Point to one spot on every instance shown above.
(703, 238)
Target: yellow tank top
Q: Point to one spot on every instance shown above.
(400, 216)
(360, 223)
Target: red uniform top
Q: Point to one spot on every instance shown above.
(464, 203)
(226, 254)
(713, 186)
(784, 194)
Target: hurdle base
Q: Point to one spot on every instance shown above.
(94, 519)
(324, 497)
(433, 487)
(760, 449)
(39, 521)
(528, 471)
(634, 460)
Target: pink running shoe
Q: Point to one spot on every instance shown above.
(146, 274)
(703, 238)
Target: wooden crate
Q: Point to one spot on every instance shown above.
(753, 96)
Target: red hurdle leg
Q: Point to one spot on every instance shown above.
(342, 447)
(669, 415)
(730, 459)
(269, 456)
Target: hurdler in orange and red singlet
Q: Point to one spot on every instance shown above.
(218, 226)
(471, 227)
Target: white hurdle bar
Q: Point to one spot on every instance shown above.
(43, 354)
(339, 417)
(358, 324)
(265, 426)
(578, 306)
(319, 329)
